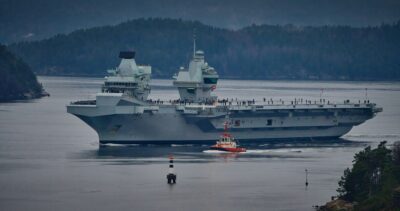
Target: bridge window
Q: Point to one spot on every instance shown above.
(190, 90)
(269, 122)
(210, 80)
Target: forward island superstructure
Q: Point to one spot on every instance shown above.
(122, 114)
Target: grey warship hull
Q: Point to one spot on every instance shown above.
(179, 124)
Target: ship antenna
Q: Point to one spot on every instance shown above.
(194, 42)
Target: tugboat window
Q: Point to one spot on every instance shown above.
(269, 122)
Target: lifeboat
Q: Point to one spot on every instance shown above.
(227, 143)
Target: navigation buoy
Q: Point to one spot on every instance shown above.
(306, 177)
(171, 176)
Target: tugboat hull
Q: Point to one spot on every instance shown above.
(239, 149)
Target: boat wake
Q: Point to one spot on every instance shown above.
(182, 145)
(211, 151)
(119, 145)
(256, 151)
(372, 136)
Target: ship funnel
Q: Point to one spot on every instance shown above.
(127, 54)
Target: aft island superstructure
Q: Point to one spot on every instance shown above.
(122, 114)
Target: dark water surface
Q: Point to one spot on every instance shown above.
(50, 160)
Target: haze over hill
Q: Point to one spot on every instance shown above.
(37, 19)
(254, 52)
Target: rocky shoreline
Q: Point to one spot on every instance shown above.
(336, 205)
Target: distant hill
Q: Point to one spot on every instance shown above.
(17, 81)
(254, 52)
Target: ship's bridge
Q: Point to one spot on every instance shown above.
(196, 83)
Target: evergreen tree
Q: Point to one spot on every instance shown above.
(372, 179)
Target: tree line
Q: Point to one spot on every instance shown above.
(253, 52)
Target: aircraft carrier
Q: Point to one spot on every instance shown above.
(123, 114)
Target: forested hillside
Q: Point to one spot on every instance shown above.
(254, 52)
(17, 81)
(373, 182)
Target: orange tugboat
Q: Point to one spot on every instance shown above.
(227, 143)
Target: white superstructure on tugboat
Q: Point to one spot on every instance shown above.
(227, 142)
(121, 113)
